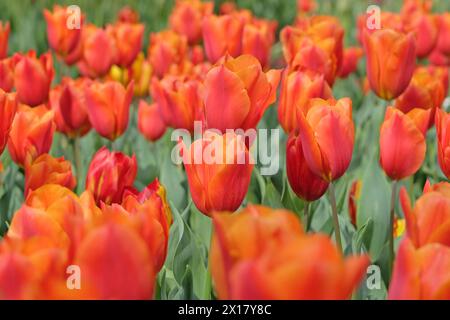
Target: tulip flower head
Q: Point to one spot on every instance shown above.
(4, 36)
(443, 140)
(150, 123)
(8, 107)
(7, 74)
(128, 40)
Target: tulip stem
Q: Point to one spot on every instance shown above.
(391, 226)
(337, 229)
(306, 215)
(77, 159)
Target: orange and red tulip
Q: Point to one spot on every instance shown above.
(48, 170)
(306, 6)
(443, 42)
(258, 38)
(128, 39)
(7, 74)
(388, 20)
(350, 61)
(297, 88)
(31, 134)
(128, 15)
(108, 106)
(402, 142)
(109, 175)
(32, 77)
(150, 123)
(327, 124)
(238, 92)
(391, 60)
(4, 36)
(8, 107)
(443, 140)
(209, 174)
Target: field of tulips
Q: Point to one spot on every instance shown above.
(244, 150)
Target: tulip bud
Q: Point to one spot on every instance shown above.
(214, 162)
(128, 15)
(109, 174)
(128, 39)
(297, 89)
(8, 106)
(31, 134)
(238, 92)
(108, 106)
(302, 180)
(327, 124)
(48, 170)
(306, 6)
(403, 134)
(7, 74)
(350, 61)
(4, 36)
(32, 77)
(391, 60)
(443, 141)
(150, 123)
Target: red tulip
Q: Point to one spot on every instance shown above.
(128, 39)
(108, 106)
(350, 61)
(150, 123)
(4, 36)
(443, 42)
(8, 106)
(128, 15)
(32, 77)
(7, 74)
(258, 38)
(443, 140)
(306, 6)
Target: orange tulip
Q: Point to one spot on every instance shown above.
(327, 124)
(32, 77)
(390, 61)
(388, 20)
(306, 6)
(402, 142)
(109, 175)
(31, 134)
(421, 274)
(302, 180)
(297, 88)
(209, 172)
(258, 38)
(186, 18)
(108, 106)
(4, 36)
(7, 74)
(48, 170)
(222, 35)
(150, 123)
(128, 39)
(238, 92)
(350, 61)
(429, 220)
(443, 42)
(443, 140)
(8, 106)
(69, 103)
(441, 73)
(65, 41)
(179, 101)
(425, 91)
(167, 50)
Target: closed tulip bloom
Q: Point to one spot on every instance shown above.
(297, 88)
(31, 134)
(7, 74)
(108, 106)
(429, 220)
(69, 103)
(150, 123)
(109, 175)
(327, 124)
(391, 60)
(302, 180)
(128, 39)
(350, 61)
(403, 134)
(4, 36)
(238, 92)
(388, 20)
(8, 107)
(437, 58)
(443, 141)
(128, 15)
(32, 77)
(306, 6)
(179, 101)
(186, 18)
(66, 42)
(443, 42)
(441, 73)
(421, 274)
(258, 38)
(213, 162)
(222, 35)
(425, 91)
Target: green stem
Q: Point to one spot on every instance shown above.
(77, 159)
(208, 280)
(337, 229)
(306, 218)
(391, 226)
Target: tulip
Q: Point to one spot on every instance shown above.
(425, 91)
(258, 38)
(128, 15)
(65, 41)
(48, 170)
(403, 134)
(128, 38)
(141, 73)
(186, 18)
(350, 61)
(296, 90)
(303, 181)
(441, 73)
(306, 6)
(222, 35)
(31, 134)
(32, 77)
(421, 274)
(150, 123)
(7, 74)
(69, 103)
(443, 41)
(437, 58)
(108, 106)
(8, 106)
(429, 221)
(388, 20)
(179, 101)
(167, 50)
(16, 275)
(213, 162)
(390, 61)
(4, 35)
(109, 174)
(238, 92)
(443, 141)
